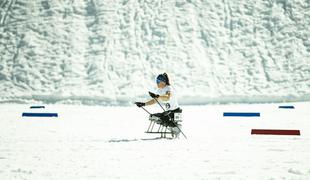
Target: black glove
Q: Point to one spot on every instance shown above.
(140, 104)
(153, 95)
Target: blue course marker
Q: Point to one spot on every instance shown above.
(40, 114)
(36, 107)
(286, 107)
(243, 114)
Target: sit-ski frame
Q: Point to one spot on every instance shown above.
(162, 129)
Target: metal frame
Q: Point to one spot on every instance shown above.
(162, 130)
(161, 126)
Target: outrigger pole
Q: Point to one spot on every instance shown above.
(146, 110)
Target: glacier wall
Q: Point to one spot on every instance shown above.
(109, 51)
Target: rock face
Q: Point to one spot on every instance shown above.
(109, 52)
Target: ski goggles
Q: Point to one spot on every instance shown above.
(160, 79)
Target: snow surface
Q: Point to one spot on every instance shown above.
(92, 142)
(108, 52)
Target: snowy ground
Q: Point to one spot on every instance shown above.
(108, 143)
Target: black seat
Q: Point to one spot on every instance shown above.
(177, 110)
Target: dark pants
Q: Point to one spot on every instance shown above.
(166, 116)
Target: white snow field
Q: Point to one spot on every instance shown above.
(109, 51)
(93, 142)
(69, 53)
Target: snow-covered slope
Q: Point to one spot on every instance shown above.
(108, 52)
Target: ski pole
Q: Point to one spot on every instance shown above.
(146, 110)
(160, 105)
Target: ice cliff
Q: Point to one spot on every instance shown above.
(109, 51)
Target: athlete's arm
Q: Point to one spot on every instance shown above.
(150, 102)
(165, 97)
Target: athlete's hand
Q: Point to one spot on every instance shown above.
(140, 104)
(153, 95)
